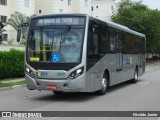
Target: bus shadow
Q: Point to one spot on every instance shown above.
(67, 97)
(80, 97)
(122, 85)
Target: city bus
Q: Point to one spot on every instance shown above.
(80, 53)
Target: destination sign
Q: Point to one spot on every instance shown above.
(59, 21)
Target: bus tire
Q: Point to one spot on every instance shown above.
(135, 79)
(104, 83)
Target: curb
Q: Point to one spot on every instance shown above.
(11, 87)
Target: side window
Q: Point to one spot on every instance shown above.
(119, 39)
(136, 44)
(93, 39)
(127, 44)
(103, 39)
(93, 51)
(112, 45)
(95, 43)
(142, 45)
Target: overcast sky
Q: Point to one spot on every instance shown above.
(153, 4)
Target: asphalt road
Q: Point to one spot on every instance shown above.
(142, 96)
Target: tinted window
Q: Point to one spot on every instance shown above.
(103, 39)
(112, 45)
(119, 39)
(93, 51)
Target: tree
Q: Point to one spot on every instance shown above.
(16, 19)
(140, 18)
(1, 31)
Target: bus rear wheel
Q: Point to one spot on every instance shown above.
(104, 84)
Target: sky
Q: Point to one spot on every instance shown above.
(153, 4)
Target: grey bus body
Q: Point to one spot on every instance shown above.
(75, 52)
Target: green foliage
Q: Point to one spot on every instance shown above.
(12, 83)
(11, 64)
(140, 18)
(18, 18)
(23, 41)
(10, 42)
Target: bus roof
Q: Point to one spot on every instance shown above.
(120, 27)
(109, 23)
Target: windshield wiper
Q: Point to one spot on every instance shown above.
(63, 35)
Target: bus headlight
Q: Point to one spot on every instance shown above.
(29, 72)
(76, 73)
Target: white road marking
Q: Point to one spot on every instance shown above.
(145, 83)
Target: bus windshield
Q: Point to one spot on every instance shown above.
(57, 45)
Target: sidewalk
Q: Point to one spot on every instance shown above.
(14, 80)
(7, 84)
(152, 62)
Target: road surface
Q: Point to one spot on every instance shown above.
(142, 96)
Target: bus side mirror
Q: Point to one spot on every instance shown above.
(18, 35)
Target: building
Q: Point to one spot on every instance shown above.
(8, 7)
(103, 9)
(62, 6)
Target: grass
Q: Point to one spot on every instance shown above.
(9, 84)
(10, 79)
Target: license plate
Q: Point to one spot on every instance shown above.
(51, 87)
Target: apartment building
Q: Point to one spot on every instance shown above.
(62, 6)
(103, 9)
(8, 7)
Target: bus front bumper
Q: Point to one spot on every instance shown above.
(66, 85)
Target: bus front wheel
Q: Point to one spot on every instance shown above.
(104, 84)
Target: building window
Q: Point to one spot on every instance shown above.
(26, 3)
(86, 3)
(4, 37)
(40, 11)
(112, 8)
(61, 10)
(3, 2)
(92, 8)
(3, 19)
(69, 2)
(96, 6)
(61, 0)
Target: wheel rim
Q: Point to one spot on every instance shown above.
(104, 84)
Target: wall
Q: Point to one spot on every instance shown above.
(105, 8)
(12, 6)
